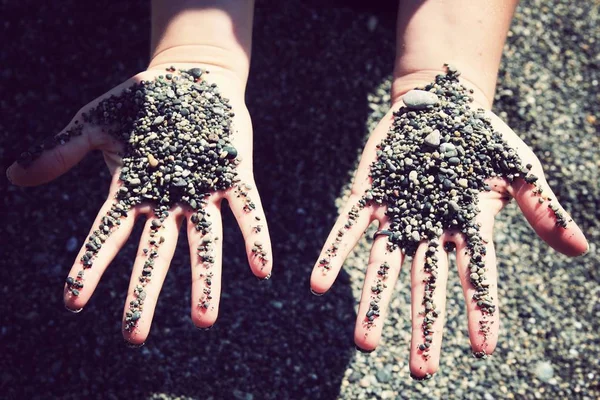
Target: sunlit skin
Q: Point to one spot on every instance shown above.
(470, 36)
(214, 36)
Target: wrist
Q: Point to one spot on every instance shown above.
(466, 34)
(209, 57)
(216, 35)
(405, 81)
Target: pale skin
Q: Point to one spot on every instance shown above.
(216, 35)
(470, 36)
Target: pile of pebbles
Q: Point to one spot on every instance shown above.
(374, 310)
(177, 135)
(429, 172)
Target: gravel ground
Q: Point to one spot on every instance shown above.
(319, 82)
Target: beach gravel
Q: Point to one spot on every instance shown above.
(319, 82)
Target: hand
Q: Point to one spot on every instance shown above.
(206, 258)
(384, 263)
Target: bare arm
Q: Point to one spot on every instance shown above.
(467, 34)
(215, 33)
(209, 40)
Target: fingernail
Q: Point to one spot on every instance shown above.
(133, 345)
(203, 329)
(480, 354)
(363, 350)
(425, 377)
(266, 278)
(315, 293)
(9, 175)
(72, 310)
(587, 250)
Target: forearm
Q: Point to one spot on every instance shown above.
(467, 34)
(215, 33)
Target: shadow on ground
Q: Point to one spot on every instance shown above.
(311, 71)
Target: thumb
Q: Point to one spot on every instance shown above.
(539, 204)
(47, 161)
(548, 218)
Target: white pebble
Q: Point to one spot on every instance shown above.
(419, 99)
(412, 175)
(544, 371)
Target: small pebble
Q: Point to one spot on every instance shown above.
(419, 99)
(152, 161)
(544, 371)
(383, 375)
(448, 149)
(433, 139)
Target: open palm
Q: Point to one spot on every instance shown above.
(205, 245)
(384, 263)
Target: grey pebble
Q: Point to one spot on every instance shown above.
(180, 182)
(241, 395)
(453, 161)
(195, 72)
(454, 205)
(276, 304)
(354, 377)
(419, 99)
(134, 181)
(383, 375)
(448, 149)
(433, 139)
(544, 371)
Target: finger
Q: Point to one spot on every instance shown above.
(429, 274)
(346, 232)
(245, 204)
(380, 280)
(547, 217)
(54, 157)
(205, 237)
(539, 204)
(47, 161)
(155, 252)
(111, 229)
(354, 219)
(483, 327)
